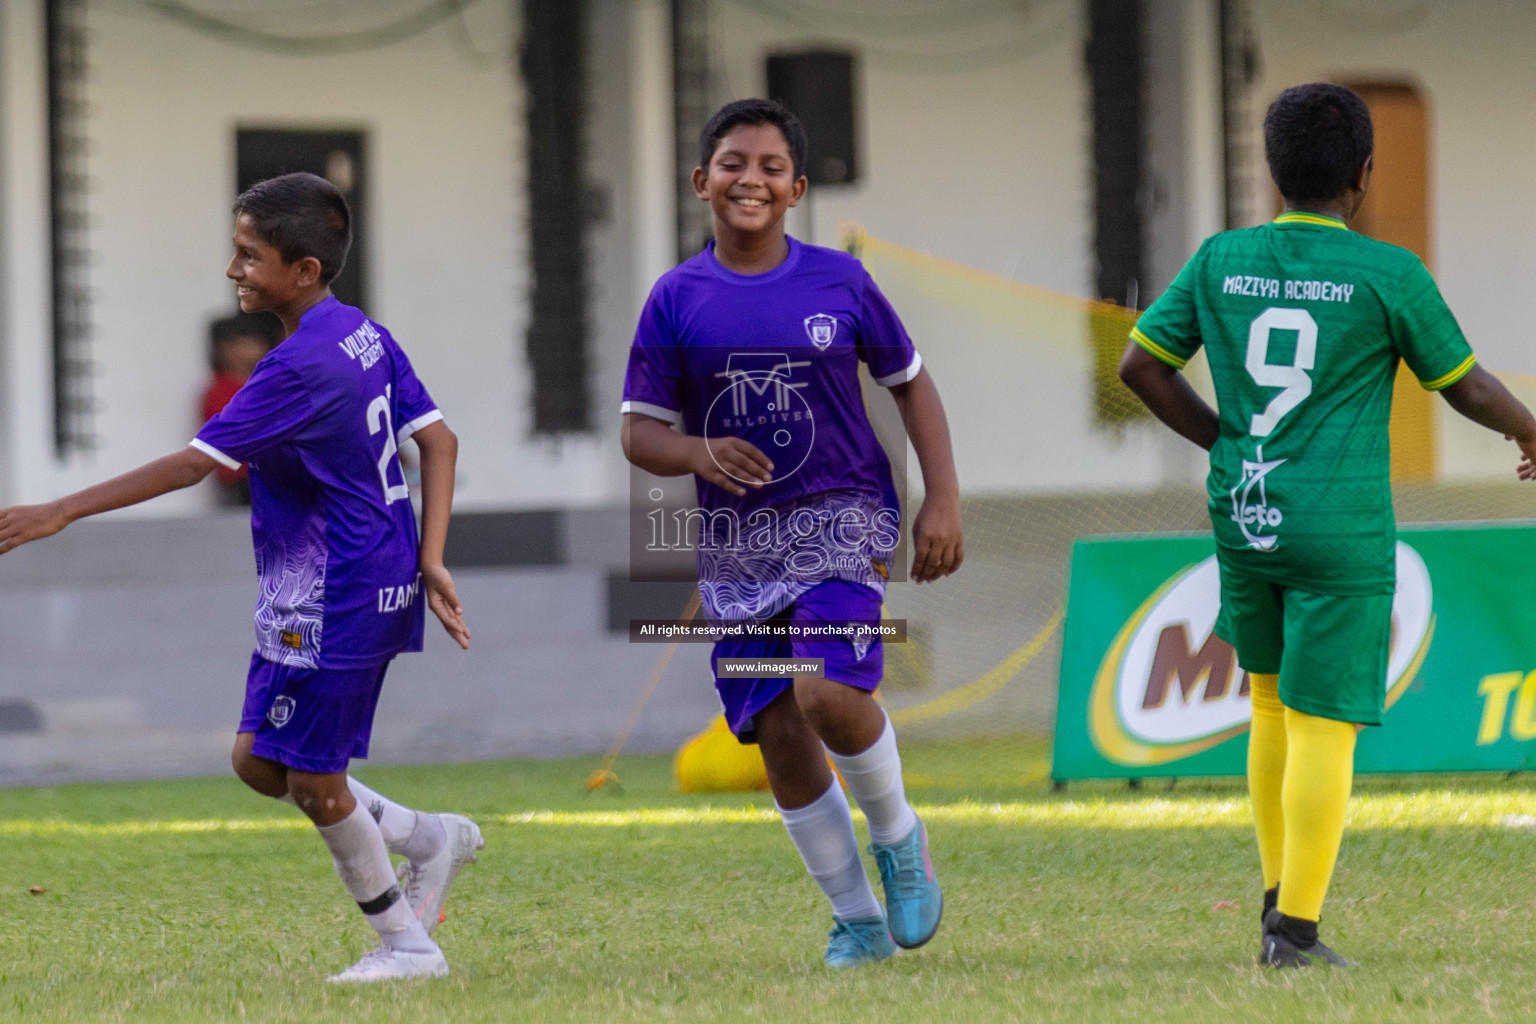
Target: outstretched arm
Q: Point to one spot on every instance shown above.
(937, 540)
(439, 448)
(1169, 396)
(724, 461)
(23, 523)
(1482, 398)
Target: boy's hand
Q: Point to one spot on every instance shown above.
(937, 543)
(22, 523)
(444, 602)
(1526, 470)
(726, 461)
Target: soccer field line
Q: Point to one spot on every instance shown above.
(1431, 809)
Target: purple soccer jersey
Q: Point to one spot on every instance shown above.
(773, 358)
(319, 423)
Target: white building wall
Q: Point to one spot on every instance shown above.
(447, 255)
(1471, 63)
(651, 126)
(26, 431)
(975, 148)
(630, 166)
(975, 137)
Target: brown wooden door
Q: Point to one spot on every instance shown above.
(1396, 210)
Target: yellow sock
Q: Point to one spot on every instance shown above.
(1319, 768)
(1266, 773)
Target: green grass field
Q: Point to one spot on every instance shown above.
(196, 900)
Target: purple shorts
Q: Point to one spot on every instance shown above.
(310, 719)
(857, 665)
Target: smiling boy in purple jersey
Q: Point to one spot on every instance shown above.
(755, 345)
(341, 573)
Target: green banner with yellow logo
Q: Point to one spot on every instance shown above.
(1148, 690)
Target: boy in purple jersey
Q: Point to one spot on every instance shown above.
(341, 573)
(754, 344)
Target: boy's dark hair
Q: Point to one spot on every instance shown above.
(265, 327)
(753, 112)
(1316, 139)
(301, 215)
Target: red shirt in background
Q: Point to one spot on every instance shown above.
(219, 392)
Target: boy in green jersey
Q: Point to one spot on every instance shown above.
(1304, 322)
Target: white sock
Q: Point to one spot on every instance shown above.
(406, 832)
(823, 833)
(874, 779)
(357, 847)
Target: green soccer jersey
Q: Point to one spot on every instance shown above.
(1303, 322)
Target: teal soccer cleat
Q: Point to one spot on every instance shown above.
(864, 940)
(913, 902)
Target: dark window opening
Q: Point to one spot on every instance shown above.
(69, 227)
(690, 112)
(554, 76)
(818, 86)
(1115, 79)
(1116, 83)
(338, 157)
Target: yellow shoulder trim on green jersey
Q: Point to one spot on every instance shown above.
(1156, 349)
(1310, 218)
(1462, 369)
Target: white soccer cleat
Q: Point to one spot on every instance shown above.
(426, 884)
(385, 964)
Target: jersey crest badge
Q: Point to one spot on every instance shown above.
(821, 329)
(281, 712)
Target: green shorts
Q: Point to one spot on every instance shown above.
(1329, 650)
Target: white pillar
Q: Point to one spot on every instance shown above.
(1202, 116)
(26, 406)
(650, 107)
(1183, 159)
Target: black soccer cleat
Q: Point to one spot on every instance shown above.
(1278, 951)
(1293, 942)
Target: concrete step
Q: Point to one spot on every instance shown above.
(125, 647)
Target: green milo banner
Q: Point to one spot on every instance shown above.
(1148, 690)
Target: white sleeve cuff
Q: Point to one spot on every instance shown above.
(416, 424)
(214, 454)
(655, 412)
(890, 380)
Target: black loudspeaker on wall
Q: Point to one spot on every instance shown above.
(818, 87)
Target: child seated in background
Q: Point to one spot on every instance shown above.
(235, 345)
